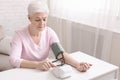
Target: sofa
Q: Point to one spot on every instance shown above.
(4, 50)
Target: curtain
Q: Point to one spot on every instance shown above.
(86, 25)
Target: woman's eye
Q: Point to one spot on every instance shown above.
(44, 19)
(38, 20)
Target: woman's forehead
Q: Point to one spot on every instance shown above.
(40, 15)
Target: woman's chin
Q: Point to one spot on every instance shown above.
(41, 29)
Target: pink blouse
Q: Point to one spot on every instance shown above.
(23, 46)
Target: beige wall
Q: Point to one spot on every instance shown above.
(115, 49)
(77, 36)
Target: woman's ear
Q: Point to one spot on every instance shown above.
(28, 17)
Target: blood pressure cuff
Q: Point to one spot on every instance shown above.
(57, 49)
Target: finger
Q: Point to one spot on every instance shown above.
(52, 65)
(83, 68)
(48, 64)
(90, 64)
(87, 66)
(80, 68)
(44, 68)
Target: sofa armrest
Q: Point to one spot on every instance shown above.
(4, 62)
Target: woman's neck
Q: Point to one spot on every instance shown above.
(34, 32)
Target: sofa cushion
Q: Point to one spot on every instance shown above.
(1, 33)
(4, 62)
(5, 45)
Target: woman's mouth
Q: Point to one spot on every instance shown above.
(41, 27)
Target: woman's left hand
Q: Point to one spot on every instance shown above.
(83, 66)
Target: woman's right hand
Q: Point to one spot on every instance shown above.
(45, 65)
(83, 66)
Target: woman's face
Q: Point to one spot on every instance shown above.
(38, 21)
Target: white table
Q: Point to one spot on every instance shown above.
(99, 71)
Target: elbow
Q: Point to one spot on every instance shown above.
(15, 63)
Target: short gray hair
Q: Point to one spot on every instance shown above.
(38, 6)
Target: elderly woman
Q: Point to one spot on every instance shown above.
(31, 45)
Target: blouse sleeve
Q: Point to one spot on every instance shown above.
(16, 50)
(53, 37)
